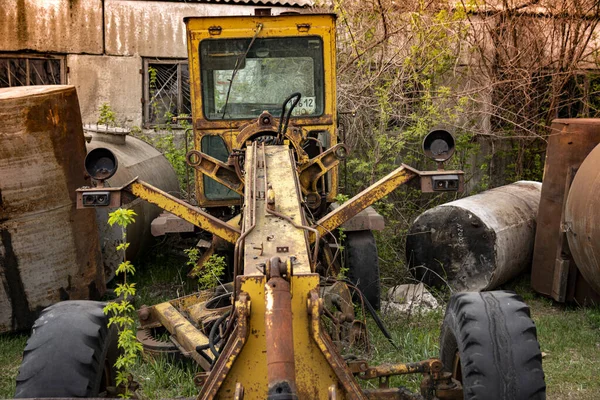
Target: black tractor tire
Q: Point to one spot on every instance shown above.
(489, 343)
(71, 352)
(363, 264)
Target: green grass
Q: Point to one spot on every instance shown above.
(569, 337)
(160, 378)
(11, 349)
(570, 341)
(416, 337)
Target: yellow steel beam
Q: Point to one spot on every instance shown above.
(183, 331)
(184, 210)
(364, 199)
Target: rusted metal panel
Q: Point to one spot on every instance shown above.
(478, 242)
(582, 219)
(61, 26)
(49, 251)
(569, 144)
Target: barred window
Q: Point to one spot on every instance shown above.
(25, 70)
(166, 90)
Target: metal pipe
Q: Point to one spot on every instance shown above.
(281, 371)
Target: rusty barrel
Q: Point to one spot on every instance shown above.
(49, 251)
(582, 219)
(478, 242)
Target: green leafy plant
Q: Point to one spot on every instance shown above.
(120, 311)
(211, 272)
(107, 115)
(341, 198)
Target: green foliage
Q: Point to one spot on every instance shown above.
(122, 217)
(121, 311)
(212, 271)
(107, 115)
(341, 198)
(175, 154)
(408, 92)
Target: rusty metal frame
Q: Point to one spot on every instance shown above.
(169, 203)
(231, 350)
(316, 167)
(216, 169)
(315, 310)
(364, 199)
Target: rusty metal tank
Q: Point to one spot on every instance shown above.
(478, 242)
(136, 159)
(49, 251)
(554, 272)
(582, 219)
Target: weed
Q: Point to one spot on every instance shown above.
(212, 271)
(107, 115)
(120, 311)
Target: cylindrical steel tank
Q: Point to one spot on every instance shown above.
(49, 250)
(136, 159)
(478, 242)
(582, 219)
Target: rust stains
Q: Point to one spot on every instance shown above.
(22, 35)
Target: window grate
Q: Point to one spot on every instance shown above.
(25, 71)
(167, 91)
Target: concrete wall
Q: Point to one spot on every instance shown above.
(108, 79)
(56, 26)
(155, 28)
(105, 42)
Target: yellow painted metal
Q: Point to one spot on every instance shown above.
(184, 210)
(314, 375)
(364, 199)
(272, 235)
(185, 302)
(184, 332)
(311, 171)
(299, 25)
(217, 170)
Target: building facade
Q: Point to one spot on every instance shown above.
(128, 54)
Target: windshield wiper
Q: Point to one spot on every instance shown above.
(240, 61)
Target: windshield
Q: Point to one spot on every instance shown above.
(273, 69)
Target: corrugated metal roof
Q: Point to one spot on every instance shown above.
(286, 3)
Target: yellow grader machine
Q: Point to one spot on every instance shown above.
(266, 146)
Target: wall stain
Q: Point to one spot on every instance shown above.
(22, 34)
(22, 317)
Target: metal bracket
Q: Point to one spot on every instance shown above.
(216, 169)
